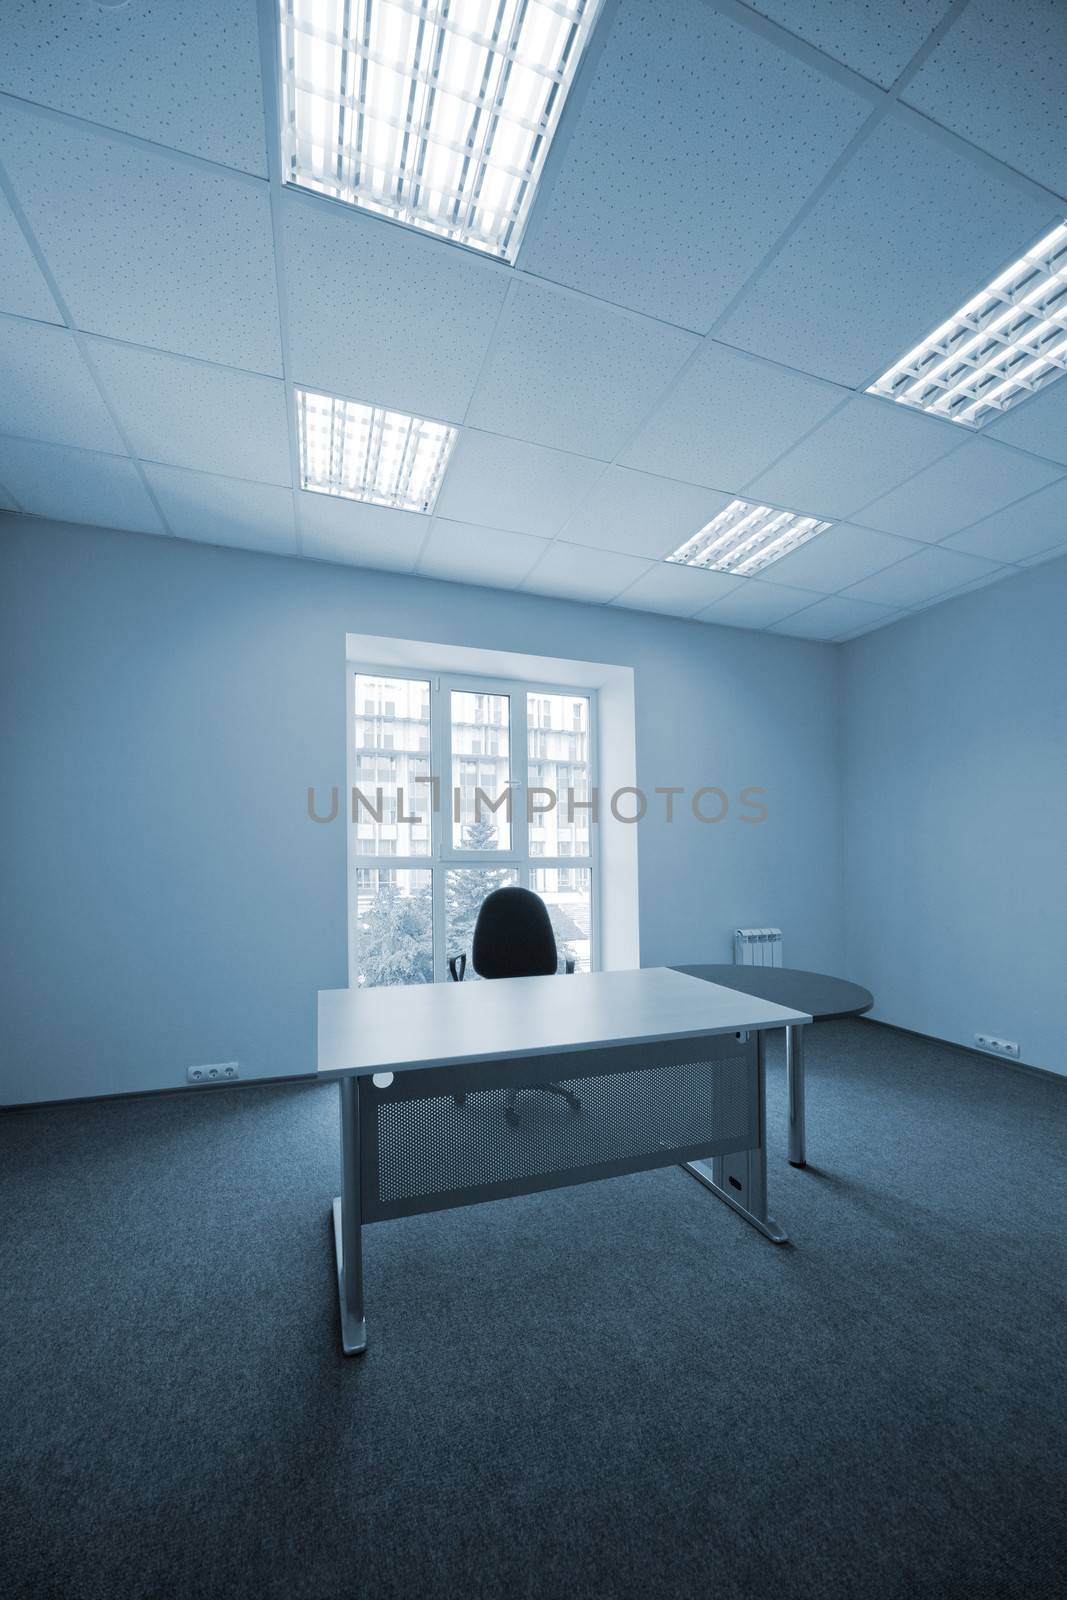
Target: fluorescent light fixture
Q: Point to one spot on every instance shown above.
(745, 538)
(438, 113)
(363, 452)
(1005, 343)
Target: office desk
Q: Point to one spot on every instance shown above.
(668, 1069)
(826, 999)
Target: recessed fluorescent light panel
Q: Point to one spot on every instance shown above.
(363, 452)
(1002, 345)
(434, 113)
(744, 539)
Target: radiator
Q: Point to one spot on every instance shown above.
(757, 947)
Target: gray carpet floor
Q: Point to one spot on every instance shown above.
(616, 1390)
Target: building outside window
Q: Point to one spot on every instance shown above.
(458, 787)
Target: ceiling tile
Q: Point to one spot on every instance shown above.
(505, 483)
(881, 621)
(972, 482)
(678, 591)
(188, 414)
(860, 282)
(1046, 555)
(997, 78)
(728, 418)
(676, 180)
(833, 617)
(757, 604)
(230, 511)
(878, 40)
(924, 576)
(47, 391)
(146, 246)
(1025, 529)
(382, 313)
(575, 573)
(184, 75)
(842, 555)
(465, 554)
(335, 529)
(1038, 424)
(862, 451)
(573, 374)
(994, 575)
(23, 290)
(77, 485)
(639, 514)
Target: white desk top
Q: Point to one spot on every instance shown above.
(441, 1024)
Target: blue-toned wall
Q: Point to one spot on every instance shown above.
(165, 706)
(955, 794)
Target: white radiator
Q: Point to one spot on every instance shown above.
(757, 947)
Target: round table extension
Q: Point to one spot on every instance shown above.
(824, 999)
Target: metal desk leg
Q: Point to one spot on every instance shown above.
(347, 1235)
(794, 1071)
(740, 1180)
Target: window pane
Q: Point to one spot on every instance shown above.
(480, 761)
(567, 892)
(559, 761)
(393, 925)
(465, 889)
(392, 751)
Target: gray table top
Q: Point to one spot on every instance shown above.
(438, 1024)
(825, 998)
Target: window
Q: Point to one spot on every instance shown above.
(1007, 341)
(361, 452)
(433, 114)
(458, 787)
(745, 538)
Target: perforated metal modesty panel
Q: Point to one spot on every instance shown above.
(422, 1151)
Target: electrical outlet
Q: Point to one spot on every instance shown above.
(997, 1047)
(215, 1072)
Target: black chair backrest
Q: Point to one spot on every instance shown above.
(513, 936)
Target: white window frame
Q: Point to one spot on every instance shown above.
(444, 854)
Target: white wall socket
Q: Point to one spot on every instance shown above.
(996, 1047)
(215, 1072)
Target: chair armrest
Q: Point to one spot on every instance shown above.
(569, 965)
(457, 966)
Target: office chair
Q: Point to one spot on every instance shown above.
(513, 938)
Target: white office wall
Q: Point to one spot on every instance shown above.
(955, 812)
(165, 707)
